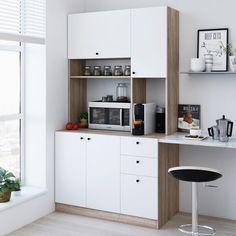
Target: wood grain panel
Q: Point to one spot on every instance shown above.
(139, 90)
(172, 80)
(106, 215)
(168, 188)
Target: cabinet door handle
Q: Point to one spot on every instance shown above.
(137, 142)
(137, 180)
(97, 53)
(89, 138)
(81, 138)
(133, 72)
(137, 162)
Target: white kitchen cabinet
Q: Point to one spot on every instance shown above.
(103, 172)
(149, 42)
(99, 35)
(135, 146)
(70, 168)
(139, 196)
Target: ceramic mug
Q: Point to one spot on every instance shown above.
(208, 62)
(197, 64)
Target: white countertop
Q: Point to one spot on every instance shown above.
(179, 138)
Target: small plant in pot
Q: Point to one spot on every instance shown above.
(229, 51)
(83, 119)
(8, 184)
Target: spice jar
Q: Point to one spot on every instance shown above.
(118, 71)
(122, 92)
(97, 71)
(107, 71)
(87, 70)
(127, 70)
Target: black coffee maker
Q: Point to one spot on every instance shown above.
(138, 123)
(160, 119)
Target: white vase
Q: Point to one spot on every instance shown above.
(209, 62)
(232, 63)
(197, 64)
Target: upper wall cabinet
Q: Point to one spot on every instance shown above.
(149, 42)
(99, 35)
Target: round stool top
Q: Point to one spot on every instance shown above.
(194, 173)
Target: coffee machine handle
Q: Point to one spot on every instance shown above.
(230, 128)
(210, 131)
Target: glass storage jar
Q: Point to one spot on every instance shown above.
(127, 70)
(97, 71)
(122, 92)
(118, 71)
(107, 71)
(87, 70)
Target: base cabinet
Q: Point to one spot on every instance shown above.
(139, 196)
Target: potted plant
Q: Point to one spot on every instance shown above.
(8, 184)
(83, 119)
(229, 51)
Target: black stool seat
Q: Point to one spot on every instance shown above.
(194, 173)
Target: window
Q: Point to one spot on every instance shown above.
(21, 22)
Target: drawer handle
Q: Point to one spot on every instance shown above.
(137, 180)
(137, 162)
(97, 53)
(89, 138)
(137, 142)
(81, 138)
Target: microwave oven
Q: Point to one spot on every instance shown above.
(109, 115)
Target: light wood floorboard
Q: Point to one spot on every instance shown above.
(61, 224)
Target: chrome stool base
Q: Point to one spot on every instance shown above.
(201, 230)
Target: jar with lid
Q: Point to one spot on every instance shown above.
(122, 92)
(107, 71)
(97, 71)
(127, 70)
(87, 70)
(118, 71)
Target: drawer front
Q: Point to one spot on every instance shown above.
(143, 147)
(139, 196)
(139, 166)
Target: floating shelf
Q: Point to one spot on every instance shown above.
(99, 77)
(209, 73)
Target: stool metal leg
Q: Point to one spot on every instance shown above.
(194, 208)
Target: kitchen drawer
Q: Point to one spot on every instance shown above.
(143, 147)
(139, 166)
(139, 196)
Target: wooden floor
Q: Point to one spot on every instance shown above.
(61, 224)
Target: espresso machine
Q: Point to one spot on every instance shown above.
(143, 118)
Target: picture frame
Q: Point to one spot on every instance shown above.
(189, 116)
(213, 41)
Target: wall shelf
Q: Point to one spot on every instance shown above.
(209, 73)
(100, 77)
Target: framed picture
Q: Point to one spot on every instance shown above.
(188, 117)
(213, 41)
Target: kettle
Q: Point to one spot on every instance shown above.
(225, 128)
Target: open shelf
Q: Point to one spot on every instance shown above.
(99, 77)
(208, 73)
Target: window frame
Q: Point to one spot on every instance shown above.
(21, 114)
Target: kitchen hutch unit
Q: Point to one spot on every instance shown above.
(110, 174)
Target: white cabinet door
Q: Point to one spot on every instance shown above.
(149, 42)
(70, 170)
(103, 172)
(99, 35)
(139, 196)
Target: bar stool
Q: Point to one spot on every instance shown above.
(195, 175)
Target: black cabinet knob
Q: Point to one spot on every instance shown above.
(89, 138)
(97, 53)
(137, 142)
(81, 138)
(133, 72)
(137, 180)
(137, 162)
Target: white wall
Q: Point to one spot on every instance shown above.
(54, 108)
(215, 94)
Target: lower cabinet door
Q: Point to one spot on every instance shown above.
(103, 172)
(139, 196)
(70, 168)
